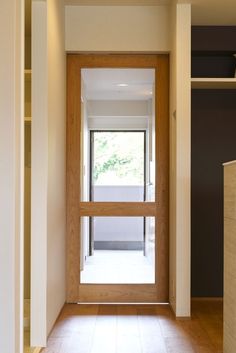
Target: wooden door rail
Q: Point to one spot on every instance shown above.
(124, 209)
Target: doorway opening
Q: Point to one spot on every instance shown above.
(119, 167)
(118, 173)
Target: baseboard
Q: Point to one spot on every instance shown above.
(118, 245)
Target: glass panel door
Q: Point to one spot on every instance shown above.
(117, 180)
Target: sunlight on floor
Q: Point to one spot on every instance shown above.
(118, 266)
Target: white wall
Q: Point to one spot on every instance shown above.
(111, 228)
(180, 163)
(48, 168)
(118, 108)
(11, 175)
(120, 114)
(183, 161)
(117, 28)
(39, 150)
(56, 223)
(126, 229)
(118, 193)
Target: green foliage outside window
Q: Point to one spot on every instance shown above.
(118, 158)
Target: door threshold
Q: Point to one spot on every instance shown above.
(120, 303)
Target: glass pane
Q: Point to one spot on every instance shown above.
(117, 134)
(118, 166)
(119, 250)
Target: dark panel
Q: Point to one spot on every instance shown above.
(214, 38)
(213, 143)
(213, 66)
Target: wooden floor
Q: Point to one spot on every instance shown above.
(137, 329)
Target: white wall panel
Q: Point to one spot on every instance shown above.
(117, 28)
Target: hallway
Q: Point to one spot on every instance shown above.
(117, 266)
(137, 329)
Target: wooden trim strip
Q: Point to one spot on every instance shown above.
(162, 176)
(118, 293)
(72, 176)
(124, 209)
(115, 60)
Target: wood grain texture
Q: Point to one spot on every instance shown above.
(230, 191)
(162, 176)
(77, 209)
(117, 293)
(137, 328)
(213, 83)
(106, 209)
(72, 178)
(115, 60)
(230, 258)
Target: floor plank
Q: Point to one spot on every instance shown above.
(137, 329)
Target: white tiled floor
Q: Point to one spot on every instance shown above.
(116, 266)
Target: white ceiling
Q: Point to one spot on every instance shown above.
(103, 84)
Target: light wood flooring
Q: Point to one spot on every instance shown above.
(137, 329)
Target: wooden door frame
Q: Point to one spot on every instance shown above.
(158, 209)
